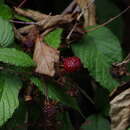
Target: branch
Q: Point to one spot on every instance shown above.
(49, 22)
(34, 15)
(109, 21)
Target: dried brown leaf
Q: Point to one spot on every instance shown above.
(34, 15)
(45, 58)
(48, 22)
(120, 111)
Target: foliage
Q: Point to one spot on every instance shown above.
(64, 118)
(5, 11)
(96, 122)
(55, 93)
(9, 90)
(15, 57)
(54, 38)
(97, 51)
(31, 99)
(6, 33)
(106, 9)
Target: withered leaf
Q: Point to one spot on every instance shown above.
(120, 111)
(45, 58)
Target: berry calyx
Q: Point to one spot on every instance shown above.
(72, 64)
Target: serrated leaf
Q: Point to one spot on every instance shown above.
(96, 122)
(9, 90)
(5, 11)
(54, 38)
(6, 33)
(18, 119)
(105, 10)
(15, 57)
(55, 93)
(97, 51)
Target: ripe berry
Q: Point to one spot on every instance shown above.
(72, 64)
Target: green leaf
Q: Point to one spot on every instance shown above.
(54, 38)
(105, 10)
(64, 118)
(6, 33)
(15, 57)
(5, 11)
(55, 93)
(96, 122)
(18, 119)
(9, 90)
(97, 51)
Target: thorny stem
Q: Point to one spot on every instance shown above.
(109, 21)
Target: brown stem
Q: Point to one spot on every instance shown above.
(70, 8)
(49, 22)
(28, 92)
(109, 21)
(34, 15)
(18, 35)
(22, 3)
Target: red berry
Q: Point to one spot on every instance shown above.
(72, 64)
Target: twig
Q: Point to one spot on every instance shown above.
(21, 22)
(34, 15)
(77, 10)
(71, 31)
(22, 3)
(109, 21)
(84, 9)
(28, 93)
(47, 31)
(67, 10)
(52, 21)
(86, 95)
(70, 7)
(125, 61)
(18, 35)
(78, 18)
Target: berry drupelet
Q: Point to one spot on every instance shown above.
(72, 64)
